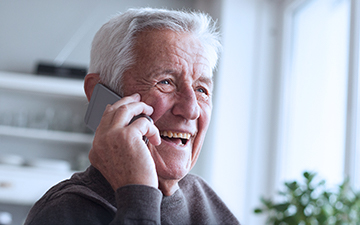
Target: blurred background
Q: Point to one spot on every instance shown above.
(285, 99)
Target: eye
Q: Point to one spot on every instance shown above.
(202, 90)
(166, 85)
(164, 82)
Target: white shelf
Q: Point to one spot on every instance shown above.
(42, 84)
(50, 135)
(34, 93)
(25, 185)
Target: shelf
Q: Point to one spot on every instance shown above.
(25, 185)
(32, 95)
(50, 135)
(42, 84)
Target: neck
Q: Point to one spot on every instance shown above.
(168, 187)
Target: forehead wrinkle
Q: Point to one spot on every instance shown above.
(181, 54)
(196, 73)
(193, 52)
(177, 65)
(189, 62)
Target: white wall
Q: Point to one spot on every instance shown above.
(39, 29)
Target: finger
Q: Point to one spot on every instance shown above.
(148, 129)
(126, 100)
(139, 116)
(125, 113)
(154, 137)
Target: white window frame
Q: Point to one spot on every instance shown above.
(352, 122)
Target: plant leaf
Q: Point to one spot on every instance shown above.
(258, 210)
(281, 207)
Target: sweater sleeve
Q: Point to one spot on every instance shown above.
(138, 204)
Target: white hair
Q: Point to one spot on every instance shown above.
(112, 50)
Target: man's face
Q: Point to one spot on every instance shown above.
(173, 75)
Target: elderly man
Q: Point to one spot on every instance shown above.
(161, 62)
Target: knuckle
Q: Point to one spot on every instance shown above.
(122, 110)
(108, 109)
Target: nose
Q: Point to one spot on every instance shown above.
(186, 104)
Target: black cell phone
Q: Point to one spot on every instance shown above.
(100, 98)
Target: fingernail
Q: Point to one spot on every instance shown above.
(109, 108)
(137, 95)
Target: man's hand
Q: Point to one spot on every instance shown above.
(119, 151)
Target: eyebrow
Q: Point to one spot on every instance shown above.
(206, 80)
(202, 78)
(155, 72)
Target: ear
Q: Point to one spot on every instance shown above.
(89, 83)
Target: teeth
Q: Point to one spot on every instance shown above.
(171, 134)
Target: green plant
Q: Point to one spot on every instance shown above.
(310, 203)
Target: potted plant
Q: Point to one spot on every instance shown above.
(309, 203)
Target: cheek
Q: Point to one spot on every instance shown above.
(203, 125)
(205, 117)
(159, 103)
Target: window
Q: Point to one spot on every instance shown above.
(319, 98)
(268, 129)
(314, 137)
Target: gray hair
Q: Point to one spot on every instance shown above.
(112, 50)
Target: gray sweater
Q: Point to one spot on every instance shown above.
(87, 198)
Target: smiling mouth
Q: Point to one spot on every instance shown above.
(178, 138)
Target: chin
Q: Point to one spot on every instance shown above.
(173, 163)
(173, 170)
